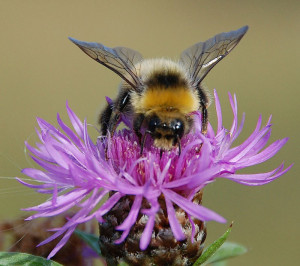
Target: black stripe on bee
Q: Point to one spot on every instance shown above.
(166, 80)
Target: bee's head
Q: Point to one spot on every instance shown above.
(166, 132)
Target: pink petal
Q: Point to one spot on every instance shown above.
(174, 224)
(192, 209)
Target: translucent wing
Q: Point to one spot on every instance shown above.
(200, 58)
(121, 60)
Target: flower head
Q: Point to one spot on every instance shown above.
(77, 173)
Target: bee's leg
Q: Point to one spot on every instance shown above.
(203, 104)
(105, 118)
(204, 119)
(118, 109)
(179, 144)
(137, 124)
(161, 153)
(143, 143)
(104, 121)
(110, 117)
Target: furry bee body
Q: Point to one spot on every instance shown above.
(160, 95)
(167, 89)
(166, 97)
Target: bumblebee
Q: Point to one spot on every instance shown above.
(159, 96)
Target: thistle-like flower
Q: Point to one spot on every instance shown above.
(153, 213)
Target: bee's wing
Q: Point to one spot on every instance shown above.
(121, 60)
(200, 58)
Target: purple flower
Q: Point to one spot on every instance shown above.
(77, 173)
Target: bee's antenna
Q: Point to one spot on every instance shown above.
(161, 153)
(179, 145)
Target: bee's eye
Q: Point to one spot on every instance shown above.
(153, 123)
(178, 127)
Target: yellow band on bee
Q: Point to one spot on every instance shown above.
(179, 99)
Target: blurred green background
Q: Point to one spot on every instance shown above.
(40, 69)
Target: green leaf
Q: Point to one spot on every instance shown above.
(213, 248)
(18, 259)
(226, 251)
(90, 239)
